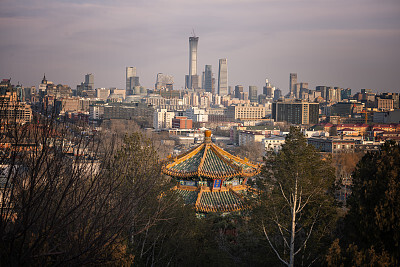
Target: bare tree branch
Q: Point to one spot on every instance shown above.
(273, 248)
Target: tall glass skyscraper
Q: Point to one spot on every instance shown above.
(89, 81)
(192, 80)
(223, 77)
(253, 93)
(239, 91)
(130, 76)
(208, 79)
(292, 83)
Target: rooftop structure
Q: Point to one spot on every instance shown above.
(211, 178)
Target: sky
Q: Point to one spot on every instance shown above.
(347, 43)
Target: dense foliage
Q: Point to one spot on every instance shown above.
(297, 213)
(371, 228)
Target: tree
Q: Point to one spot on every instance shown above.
(372, 224)
(346, 162)
(253, 151)
(297, 211)
(65, 199)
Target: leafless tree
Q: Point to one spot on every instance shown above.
(254, 151)
(67, 200)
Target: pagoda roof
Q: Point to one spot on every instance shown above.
(207, 160)
(214, 201)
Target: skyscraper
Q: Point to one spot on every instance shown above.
(89, 81)
(164, 82)
(239, 91)
(268, 89)
(130, 72)
(223, 77)
(346, 93)
(292, 83)
(253, 93)
(295, 111)
(208, 79)
(192, 80)
(132, 80)
(277, 94)
(203, 84)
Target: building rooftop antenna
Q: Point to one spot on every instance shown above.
(193, 33)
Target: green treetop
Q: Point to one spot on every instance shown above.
(297, 212)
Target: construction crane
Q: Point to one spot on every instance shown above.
(366, 115)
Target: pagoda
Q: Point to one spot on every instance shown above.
(210, 178)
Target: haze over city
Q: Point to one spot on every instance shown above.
(336, 43)
(200, 133)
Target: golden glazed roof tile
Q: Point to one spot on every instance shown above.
(209, 161)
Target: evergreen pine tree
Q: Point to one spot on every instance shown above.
(372, 225)
(297, 211)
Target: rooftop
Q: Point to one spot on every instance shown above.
(208, 161)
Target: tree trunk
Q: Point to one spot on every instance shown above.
(293, 231)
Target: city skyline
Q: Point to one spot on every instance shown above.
(333, 43)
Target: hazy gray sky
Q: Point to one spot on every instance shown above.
(346, 43)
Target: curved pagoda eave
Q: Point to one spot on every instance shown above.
(208, 161)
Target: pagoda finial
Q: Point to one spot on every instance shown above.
(207, 136)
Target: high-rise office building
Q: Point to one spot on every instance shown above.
(244, 96)
(300, 90)
(346, 93)
(89, 81)
(330, 94)
(238, 91)
(192, 80)
(132, 80)
(203, 84)
(223, 77)
(295, 111)
(164, 82)
(268, 89)
(253, 93)
(130, 72)
(86, 86)
(292, 83)
(208, 79)
(297, 89)
(277, 94)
